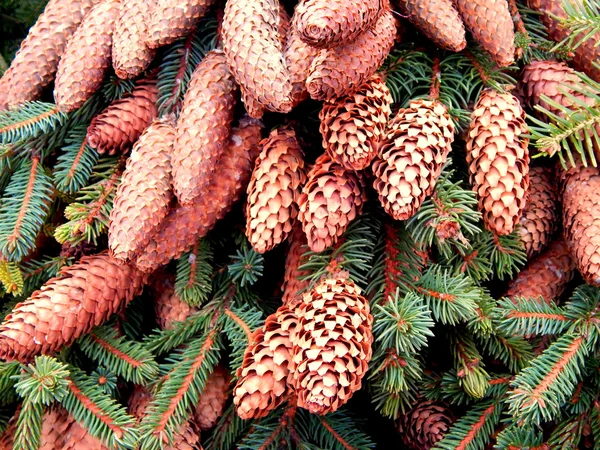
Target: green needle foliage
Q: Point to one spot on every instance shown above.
(193, 283)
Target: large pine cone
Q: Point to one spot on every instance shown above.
(425, 425)
(212, 399)
(292, 284)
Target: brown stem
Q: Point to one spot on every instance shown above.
(434, 92)
(482, 74)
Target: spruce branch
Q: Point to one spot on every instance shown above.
(29, 121)
(567, 433)
(582, 19)
(193, 281)
(43, 382)
(335, 431)
(520, 437)
(76, 163)
(407, 73)
(29, 426)
(272, 432)
(239, 321)
(106, 380)
(115, 88)
(514, 351)
(525, 317)
(468, 362)
(246, 266)
(227, 431)
(37, 272)
(507, 253)
(8, 373)
(11, 278)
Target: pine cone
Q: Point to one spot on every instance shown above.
(184, 225)
(130, 53)
(87, 57)
(77, 437)
(253, 107)
(492, 26)
(438, 20)
(35, 64)
(203, 127)
(82, 297)
(143, 197)
(138, 401)
(255, 52)
(298, 57)
(338, 71)
(332, 345)
(292, 285)
(274, 190)
(499, 160)
(540, 215)
(169, 307)
(411, 157)
(425, 425)
(329, 23)
(353, 125)
(545, 276)
(262, 384)
(330, 200)
(55, 426)
(212, 400)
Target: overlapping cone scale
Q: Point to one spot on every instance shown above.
(212, 400)
(292, 282)
(77, 437)
(298, 57)
(169, 307)
(425, 424)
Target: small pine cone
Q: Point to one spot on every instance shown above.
(298, 57)
(35, 64)
(263, 377)
(77, 437)
(143, 197)
(212, 399)
(332, 345)
(130, 53)
(545, 276)
(55, 424)
(540, 216)
(116, 128)
(169, 307)
(274, 190)
(338, 71)
(82, 297)
(353, 125)
(203, 127)
(499, 160)
(87, 57)
(329, 23)
(438, 20)
(138, 401)
(254, 51)
(330, 200)
(292, 284)
(411, 157)
(425, 425)
(492, 26)
(184, 225)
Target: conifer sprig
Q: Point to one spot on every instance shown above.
(76, 163)
(30, 121)
(29, 426)
(193, 282)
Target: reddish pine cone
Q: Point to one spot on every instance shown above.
(116, 128)
(254, 51)
(492, 26)
(212, 399)
(411, 157)
(263, 377)
(499, 160)
(339, 71)
(143, 197)
(298, 57)
(332, 345)
(274, 189)
(330, 200)
(138, 401)
(545, 276)
(540, 216)
(353, 125)
(292, 284)
(328, 23)
(169, 307)
(78, 437)
(35, 64)
(203, 127)
(87, 57)
(438, 20)
(184, 225)
(425, 425)
(82, 297)
(56, 423)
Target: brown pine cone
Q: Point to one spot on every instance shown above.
(253, 107)
(55, 426)
(169, 307)
(411, 157)
(540, 216)
(212, 399)
(331, 345)
(330, 200)
(138, 401)
(116, 128)
(498, 159)
(35, 64)
(143, 197)
(292, 284)
(87, 57)
(338, 71)
(77, 437)
(274, 189)
(353, 125)
(203, 127)
(82, 297)
(425, 425)
(298, 57)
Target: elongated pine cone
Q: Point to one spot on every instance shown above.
(203, 127)
(340, 70)
(540, 215)
(212, 400)
(425, 424)
(545, 276)
(292, 284)
(330, 200)
(274, 190)
(263, 377)
(498, 159)
(116, 128)
(254, 51)
(352, 126)
(438, 20)
(169, 307)
(298, 57)
(332, 345)
(82, 297)
(87, 57)
(411, 157)
(143, 197)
